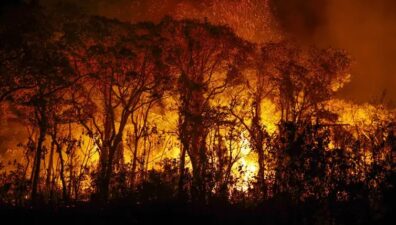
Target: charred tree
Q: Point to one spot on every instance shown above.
(205, 58)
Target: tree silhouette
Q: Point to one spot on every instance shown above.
(126, 74)
(41, 74)
(183, 112)
(204, 58)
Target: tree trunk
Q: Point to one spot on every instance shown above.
(199, 163)
(62, 172)
(36, 174)
(109, 173)
(193, 133)
(182, 162)
(102, 183)
(261, 179)
(107, 169)
(134, 161)
(49, 171)
(258, 135)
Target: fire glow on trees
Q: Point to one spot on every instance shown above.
(190, 106)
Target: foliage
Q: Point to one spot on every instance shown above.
(176, 111)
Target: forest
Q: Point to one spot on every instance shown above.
(183, 118)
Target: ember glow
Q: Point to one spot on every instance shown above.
(203, 103)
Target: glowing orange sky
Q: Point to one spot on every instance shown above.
(365, 28)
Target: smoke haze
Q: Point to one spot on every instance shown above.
(365, 28)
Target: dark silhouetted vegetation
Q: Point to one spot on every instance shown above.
(182, 121)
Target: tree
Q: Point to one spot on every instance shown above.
(39, 73)
(304, 80)
(246, 107)
(205, 58)
(126, 74)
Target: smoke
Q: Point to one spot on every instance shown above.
(299, 18)
(251, 19)
(366, 29)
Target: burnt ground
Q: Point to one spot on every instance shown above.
(274, 212)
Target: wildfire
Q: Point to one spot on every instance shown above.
(188, 104)
(246, 167)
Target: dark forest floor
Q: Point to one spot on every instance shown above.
(271, 213)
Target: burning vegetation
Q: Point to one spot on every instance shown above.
(98, 110)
